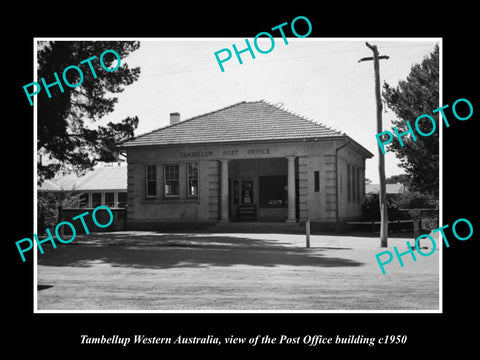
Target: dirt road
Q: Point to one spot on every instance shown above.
(209, 272)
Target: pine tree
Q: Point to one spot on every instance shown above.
(66, 121)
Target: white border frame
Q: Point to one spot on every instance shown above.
(371, 39)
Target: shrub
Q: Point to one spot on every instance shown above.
(47, 208)
(396, 205)
(371, 209)
(416, 200)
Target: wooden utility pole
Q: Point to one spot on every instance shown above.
(307, 232)
(381, 158)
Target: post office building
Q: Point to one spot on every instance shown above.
(251, 161)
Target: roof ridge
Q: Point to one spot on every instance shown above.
(182, 122)
(303, 117)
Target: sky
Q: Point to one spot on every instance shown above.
(320, 79)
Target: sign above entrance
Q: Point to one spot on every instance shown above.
(230, 153)
(196, 154)
(258, 151)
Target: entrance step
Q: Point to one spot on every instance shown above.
(257, 227)
(247, 212)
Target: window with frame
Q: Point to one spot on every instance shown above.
(122, 199)
(359, 197)
(83, 200)
(150, 180)
(192, 180)
(171, 179)
(110, 199)
(273, 191)
(363, 184)
(349, 183)
(354, 185)
(96, 199)
(316, 181)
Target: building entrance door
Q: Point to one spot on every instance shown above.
(247, 209)
(247, 192)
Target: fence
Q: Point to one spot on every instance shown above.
(102, 217)
(421, 221)
(374, 226)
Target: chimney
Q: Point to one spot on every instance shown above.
(174, 118)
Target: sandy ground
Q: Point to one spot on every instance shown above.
(155, 271)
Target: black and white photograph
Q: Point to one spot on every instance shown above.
(253, 188)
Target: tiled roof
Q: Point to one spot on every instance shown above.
(245, 121)
(104, 178)
(107, 178)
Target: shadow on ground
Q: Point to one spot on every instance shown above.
(44, 287)
(163, 251)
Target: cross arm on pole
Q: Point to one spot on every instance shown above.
(372, 58)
